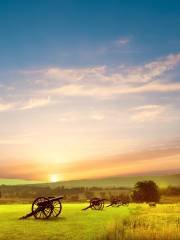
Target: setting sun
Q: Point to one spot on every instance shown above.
(54, 178)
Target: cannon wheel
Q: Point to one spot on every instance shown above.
(98, 205)
(40, 210)
(102, 205)
(57, 207)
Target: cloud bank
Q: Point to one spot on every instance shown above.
(40, 86)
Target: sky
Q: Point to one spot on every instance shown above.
(89, 89)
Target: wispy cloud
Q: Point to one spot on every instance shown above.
(147, 113)
(25, 104)
(35, 103)
(147, 72)
(97, 116)
(109, 91)
(5, 107)
(121, 41)
(87, 115)
(97, 81)
(98, 74)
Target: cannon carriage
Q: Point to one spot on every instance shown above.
(45, 207)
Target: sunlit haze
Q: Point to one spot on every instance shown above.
(54, 178)
(89, 89)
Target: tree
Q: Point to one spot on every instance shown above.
(145, 191)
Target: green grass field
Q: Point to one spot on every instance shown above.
(137, 221)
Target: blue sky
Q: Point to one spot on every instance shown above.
(70, 33)
(85, 81)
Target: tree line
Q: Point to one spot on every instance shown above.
(143, 191)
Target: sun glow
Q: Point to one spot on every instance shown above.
(54, 178)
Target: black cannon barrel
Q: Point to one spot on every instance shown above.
(55, 198)
(51, 199)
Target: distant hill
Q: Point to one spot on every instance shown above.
(4, 181)
(121, 181)
(118, 181)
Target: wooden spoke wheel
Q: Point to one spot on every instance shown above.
(97, 204)
(102, 205)
(57, 207)
(42, 208)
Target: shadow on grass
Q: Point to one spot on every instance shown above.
(56, 219)
(45, 220)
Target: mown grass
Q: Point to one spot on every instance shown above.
(145, 223)
(135, 222)
(73, 224)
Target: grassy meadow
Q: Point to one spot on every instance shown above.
(137, 221)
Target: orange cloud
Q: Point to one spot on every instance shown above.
(125, 164)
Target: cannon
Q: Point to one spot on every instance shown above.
(124, 202)
(117, 202)
(45, 207)
(96, 204)
(114, 202)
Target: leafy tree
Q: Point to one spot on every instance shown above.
(146, 191)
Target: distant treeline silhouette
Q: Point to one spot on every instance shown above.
(70, 194)
(75, 194)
